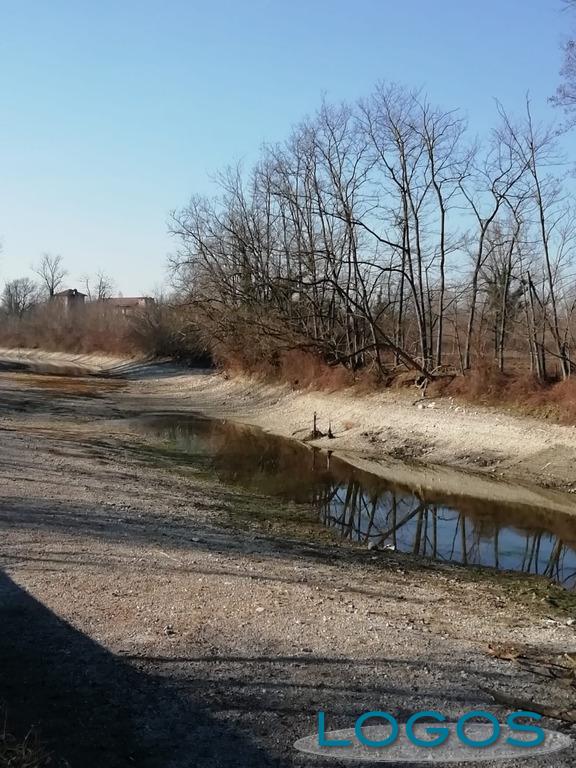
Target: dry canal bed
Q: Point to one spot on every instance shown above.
(174, 595)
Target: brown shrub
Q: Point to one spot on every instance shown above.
(299, 368)
(87, 329)
(304, 369)
(156, 331)
(482, 384)
(557, 401)
(487, 384)
(515, 389)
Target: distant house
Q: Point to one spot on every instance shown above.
(130, 305)
(69, 299)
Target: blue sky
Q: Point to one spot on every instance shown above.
(113, 113)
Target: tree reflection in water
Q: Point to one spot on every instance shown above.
(365, 508)
(406, 523)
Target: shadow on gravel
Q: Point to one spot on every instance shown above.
(92, 710)
(179, 533)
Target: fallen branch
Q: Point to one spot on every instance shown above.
(565, 715)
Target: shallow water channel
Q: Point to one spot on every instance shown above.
(365, 508)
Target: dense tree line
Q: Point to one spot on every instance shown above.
(381, 235)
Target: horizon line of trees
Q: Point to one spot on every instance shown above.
(22, 294)
(31, 316)
(378, 236)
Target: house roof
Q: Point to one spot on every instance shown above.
(70, 292)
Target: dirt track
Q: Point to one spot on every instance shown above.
(140, 627)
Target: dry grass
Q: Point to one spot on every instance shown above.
(518, 389)
(26, 754)
(303, 370)
(488, 385)
(484, 385)
(299, 368)
(557, 402)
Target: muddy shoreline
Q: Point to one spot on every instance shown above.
(466, 451)
(387, 428)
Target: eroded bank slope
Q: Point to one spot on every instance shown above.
(392, 425)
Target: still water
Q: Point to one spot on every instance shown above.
(363, 507)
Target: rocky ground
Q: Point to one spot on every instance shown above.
(143, 625)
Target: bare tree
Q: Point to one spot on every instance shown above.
(98, 287)
(488, 190)
(565, 95)
(19, 296)
(349, 241)
(502, 284)
(51, 273)
(535, 151)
